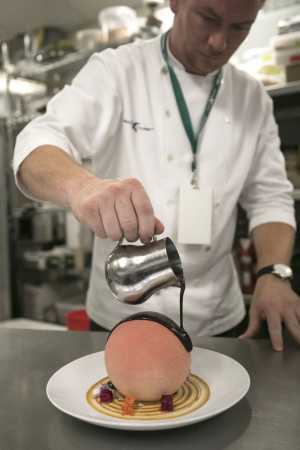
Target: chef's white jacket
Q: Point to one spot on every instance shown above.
(120, 111)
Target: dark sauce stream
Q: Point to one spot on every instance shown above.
(182, 334)
(182, 289)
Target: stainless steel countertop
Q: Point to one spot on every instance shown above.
(268, 418)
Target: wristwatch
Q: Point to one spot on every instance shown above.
(279, 270)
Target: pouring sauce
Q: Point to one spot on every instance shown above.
(182, 289)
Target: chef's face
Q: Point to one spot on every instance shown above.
(206, 33)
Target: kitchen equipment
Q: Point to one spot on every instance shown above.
(118, 23)
(89, 39)
(152, 20)
(152, 24)
(135, 272)
(54, 52)
(20, 95)
(289, 25)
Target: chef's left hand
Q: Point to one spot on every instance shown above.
(274, 301)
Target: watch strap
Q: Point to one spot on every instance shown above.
(276, 269)
(265, 270)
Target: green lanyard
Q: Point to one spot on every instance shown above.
(182, 106)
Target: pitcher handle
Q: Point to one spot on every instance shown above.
(120, 241)
(153, 239)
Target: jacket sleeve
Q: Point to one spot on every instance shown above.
(80, 119)
(267, 193)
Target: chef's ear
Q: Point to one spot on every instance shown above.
(174, 5)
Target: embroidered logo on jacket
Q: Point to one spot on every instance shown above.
(136, 126)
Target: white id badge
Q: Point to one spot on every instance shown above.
(195, 215)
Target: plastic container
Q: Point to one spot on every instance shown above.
(118, 23)
(286, 41)
(89, 39)
(289, 25)
(78, 320)
(287, 57)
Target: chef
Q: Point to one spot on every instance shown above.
(178, 137)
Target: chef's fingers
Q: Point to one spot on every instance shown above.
(107, 212)
(158, 226)
(90, 216)
(253, 326)
(127, 217)
(292, 324)
(275, 330)
(298, 311)
(144, 212)
(98, 226)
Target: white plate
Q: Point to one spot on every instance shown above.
(227, 379)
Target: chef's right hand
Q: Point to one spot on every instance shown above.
(115, 209)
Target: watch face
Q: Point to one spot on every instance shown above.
(282, 271)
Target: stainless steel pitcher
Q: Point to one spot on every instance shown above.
(135, 272)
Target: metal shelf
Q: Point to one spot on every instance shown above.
(32, 69)
(284, 89)
(37, 208)
(296, 194)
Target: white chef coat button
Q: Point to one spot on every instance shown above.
(168, 113)
(170, 157)
(164, 70)
(227, 120)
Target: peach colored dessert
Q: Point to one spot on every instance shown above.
(146, 360)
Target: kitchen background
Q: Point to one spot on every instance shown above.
(44, 253)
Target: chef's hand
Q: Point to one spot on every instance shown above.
(274, 301)
(115, 209)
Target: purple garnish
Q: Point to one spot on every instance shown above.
(167, 403)
(106, 395)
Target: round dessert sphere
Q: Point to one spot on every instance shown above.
(145, 360)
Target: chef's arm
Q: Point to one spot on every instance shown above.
(50, 174)
(273, 243)
(110, 208)
(273, 299)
